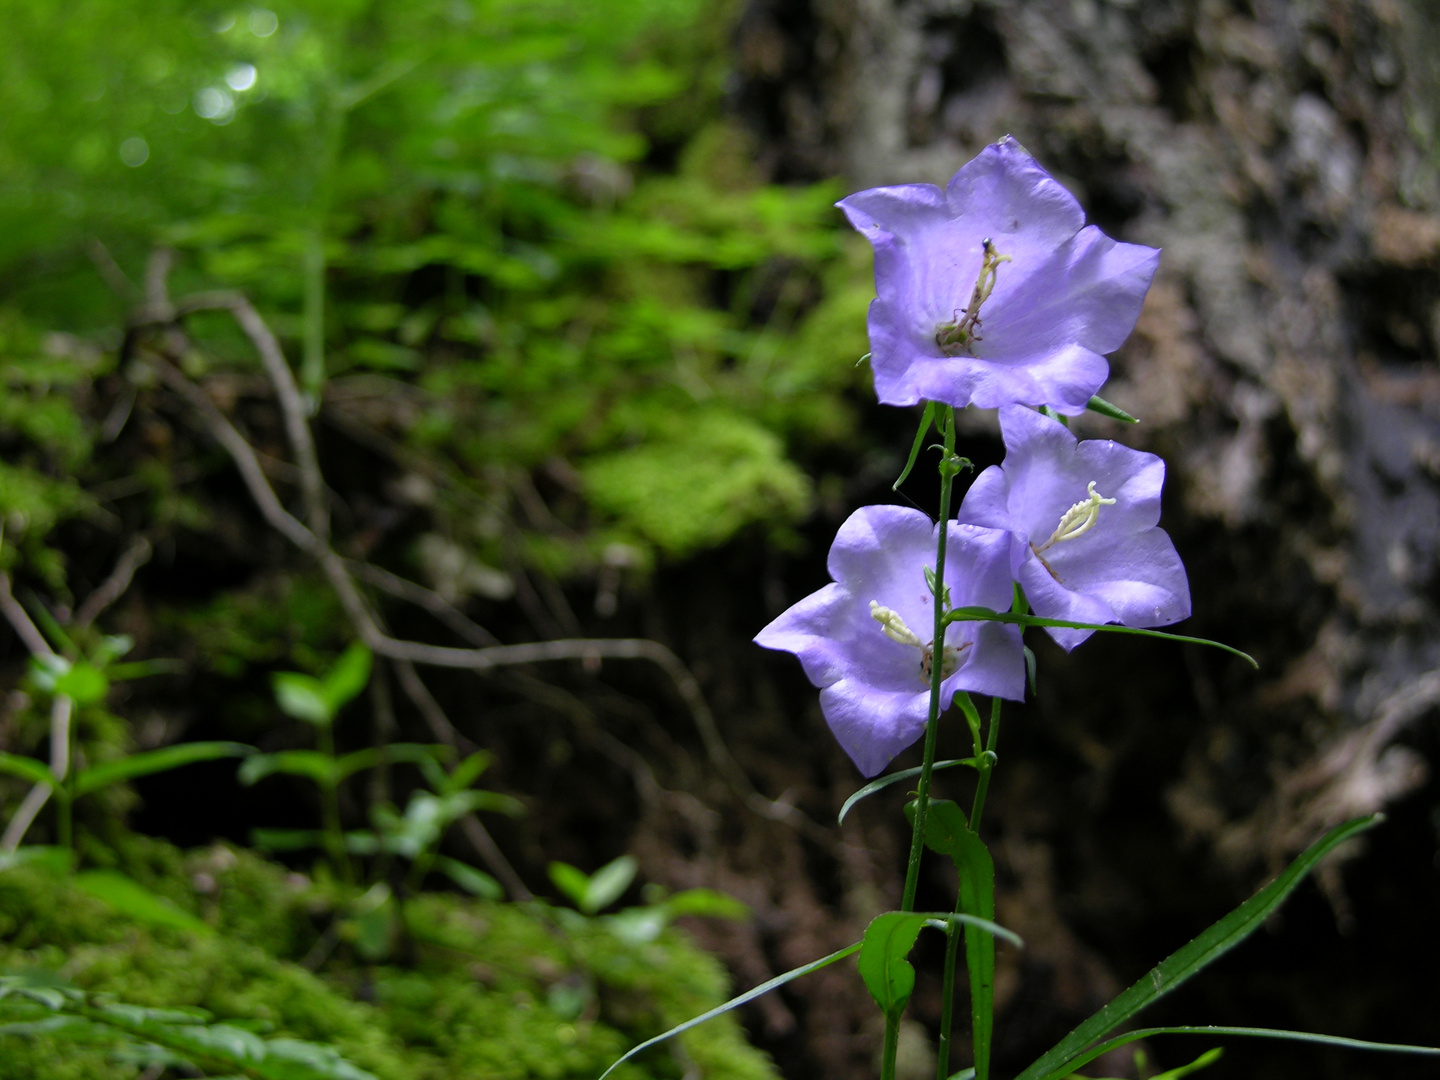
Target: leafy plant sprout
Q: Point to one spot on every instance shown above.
(1062, 535)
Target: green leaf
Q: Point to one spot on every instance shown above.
(311, 763)
(348, 765)
(57, 860)
(1114, 412)
(733, 1003)
(571, 881)
(983, 614)
(706, 902)
(26, 769)
(608, 883)
(888, 940)
(1252, 1033)
(1069, 1053)
(925, 422)
(468, 771)
(888, 976)
(153, 761)
(348, 677)
(84, 684)
(977, 897)
(470, 879)
(302, 697)
(881, 783)
(132, 899)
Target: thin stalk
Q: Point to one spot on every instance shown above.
(949, 467)
(330, 810)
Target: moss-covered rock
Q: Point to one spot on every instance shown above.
(487, 989)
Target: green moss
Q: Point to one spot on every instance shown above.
(490, 990)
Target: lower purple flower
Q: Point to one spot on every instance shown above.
(866, 639)
(1084, 520)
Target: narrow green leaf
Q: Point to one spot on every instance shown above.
(348, 677)
(925, 421)
(132, 899)
(1114, 412)
(57, 860)
(310, 763)
(1046, 410)
(977, 897)
(948, 833)
(470, 879)
(153, 761)
(1254, 1033)
(571, 881)
(982, 614)
(706, 902)
(348, 765)
(26, 769)
(608, 883)
(735, 1002)
(1219, 939)
(468, 771)
(883, 782)
(303, 697)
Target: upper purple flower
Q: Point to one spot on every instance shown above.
(867, 639)
(994, 291)
(1083, 517)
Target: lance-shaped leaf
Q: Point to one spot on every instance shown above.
(948, 833)
(883, 782)
(153, 761)
(26, 769)
(982, 614)
(1061, 1060)
(1252, 1033)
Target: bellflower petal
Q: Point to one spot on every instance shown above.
(1025, 322)
(1083, 517)
(874, 690)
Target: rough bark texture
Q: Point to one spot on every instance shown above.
(1284, 157)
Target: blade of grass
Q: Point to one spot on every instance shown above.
(736, 1002)
(1180, 965)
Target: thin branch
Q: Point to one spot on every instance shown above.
(19, 620)
(476, 659)
(135, 555)
(425, 703)
(287, 392)
(403, 589)
(157, 276)
(109, 269)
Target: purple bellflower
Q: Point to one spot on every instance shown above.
(866, 639)
(1083, 520)
(994, 291)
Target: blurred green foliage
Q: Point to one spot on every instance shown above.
(497, 236)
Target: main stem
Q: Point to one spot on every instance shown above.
(949, 467)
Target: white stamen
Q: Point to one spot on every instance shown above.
(894, 625)
(1079, 519)
(896, 630)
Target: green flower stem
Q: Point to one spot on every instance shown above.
(949, 467)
